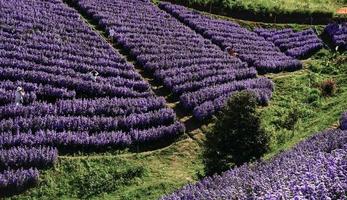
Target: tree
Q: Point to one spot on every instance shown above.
(237, 136)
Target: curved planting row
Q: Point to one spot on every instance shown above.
(63, 87)
(314, 169)
(240, 42)
(14, 181)
(189, 65)
(338, 34)
(26, 157)
(295, 44)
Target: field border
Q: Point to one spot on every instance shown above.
(314, 18)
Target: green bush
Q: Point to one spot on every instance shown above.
(237, 136)
(313, 97)
(292, 118)
(328, 87)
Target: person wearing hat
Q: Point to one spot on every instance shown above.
(94, 74)
(231, 52)
(19, 95)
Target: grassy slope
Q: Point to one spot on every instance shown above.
(283, 11)
(149, 175)
(282, 6)
(128, 176)
(293, 91)
(287, 6)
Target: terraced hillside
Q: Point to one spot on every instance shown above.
(106, 99)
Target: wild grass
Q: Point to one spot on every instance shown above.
(284, 6)
(274, 11)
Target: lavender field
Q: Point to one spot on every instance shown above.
(112, 99)
(315, 168)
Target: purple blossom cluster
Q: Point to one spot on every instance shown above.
(24, 157)
(14, 181)
(244, 44)
(314, 169)
(338, 34)
(295, 44)
(189, 65)
(343, 121)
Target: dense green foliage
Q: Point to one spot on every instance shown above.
(237, 137)
(299, 107)
(268, 10)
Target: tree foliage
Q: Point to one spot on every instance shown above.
(237, 136)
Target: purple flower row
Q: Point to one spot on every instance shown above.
(71, 140)
(194, 85)
(40, 56)
(27, 157)
(85, 107)
(33, 91)
(93, 124)
(13, 181)
(199, 71)
(139, 84)
(294, 44)
(208, 108)
(80, 86)
(8, 97)
(338, 34)
(194, 99)
(314, 169)
(230, 36)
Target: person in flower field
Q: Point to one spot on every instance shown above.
(19, 96)
(94, 74)
(231, 52)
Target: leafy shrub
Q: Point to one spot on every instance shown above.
(328, 87)
(313, 97)
(289, 115)
(237, 136)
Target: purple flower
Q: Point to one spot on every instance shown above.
(314, 169)
(247, 45)
(187, 64)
